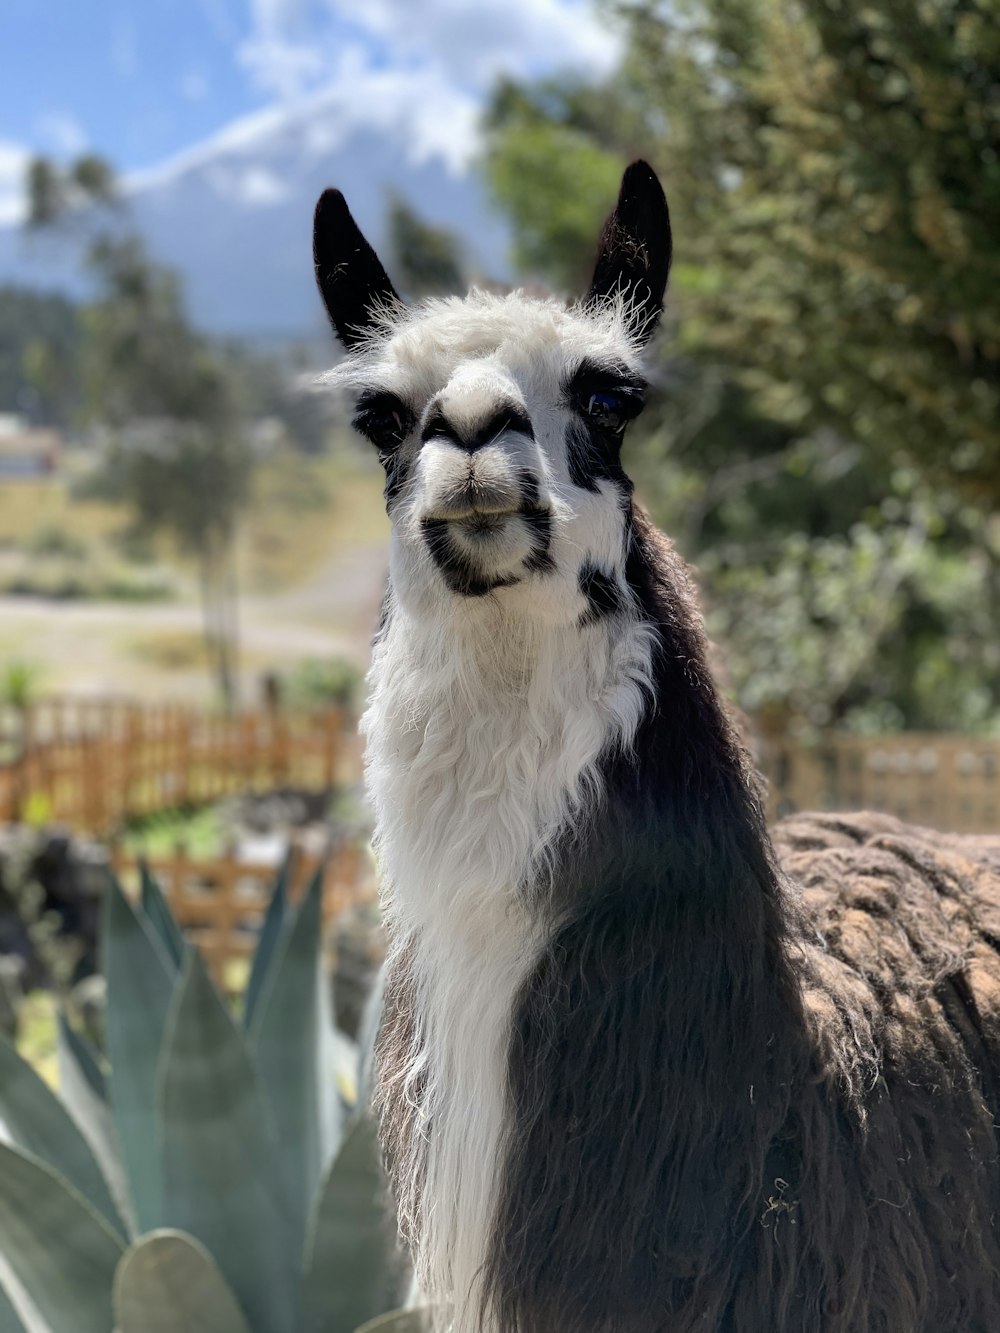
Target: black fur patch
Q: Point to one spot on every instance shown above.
(687, 1149)
(605, 595)
(634, 251)
(594, 451)
(352, 282)
(539, 522)
(460, 576)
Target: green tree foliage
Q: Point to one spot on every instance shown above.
(827, 440)
(180, 453)
(425, 259)
(40, 340)
(46, 188)
(58, 195)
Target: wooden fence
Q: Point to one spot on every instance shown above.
(221, 903)
(93, 765)
(943, 781)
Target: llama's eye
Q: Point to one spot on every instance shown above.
(385, 422)
(608, 410)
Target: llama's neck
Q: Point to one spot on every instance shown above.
(484, 742)
(556, 808)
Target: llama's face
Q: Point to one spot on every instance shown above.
(499, 419)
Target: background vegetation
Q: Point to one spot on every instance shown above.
(826, 440)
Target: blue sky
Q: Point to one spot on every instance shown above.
(143, 80)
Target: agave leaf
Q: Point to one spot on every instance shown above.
(140, 986)
(160, 917)
(81, 1089)
(19, 1301)
(169, 1283)
(399, 1321)
(84, 1056)
(271, 933)
(288, 1038)
(221, 1165)
(62, 1251)
(354, 1269)
(10, 1320)
(37, 1121)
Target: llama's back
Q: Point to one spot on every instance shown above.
(896, 1206)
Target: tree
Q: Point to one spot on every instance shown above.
(40, 356)
(181, 453)
(834, 172)
(46, 190)
(426, 259)
(179, 449)
(828, 403)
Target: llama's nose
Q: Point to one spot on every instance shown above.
(477, 434)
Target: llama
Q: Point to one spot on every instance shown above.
(638, 1072)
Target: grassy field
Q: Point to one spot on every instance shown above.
(311, 556)
(306, 511)
(302, 512)
(32, 509)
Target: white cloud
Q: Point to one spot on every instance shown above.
(61, 133)
(473, 43)
(415, 108)
(291, 47)
(13, 166)
(414, 72)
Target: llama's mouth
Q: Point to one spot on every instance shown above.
(473, 519)
(480, 550)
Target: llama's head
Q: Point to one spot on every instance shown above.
(499, 419)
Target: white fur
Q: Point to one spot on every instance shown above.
(486, 721)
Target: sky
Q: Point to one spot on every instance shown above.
(145, 82)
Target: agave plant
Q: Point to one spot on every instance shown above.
(207, 1177)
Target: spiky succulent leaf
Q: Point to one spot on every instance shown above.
(160, 917)
(221, 1164)
(353, 1267)
(168, 1283)
(271, 934)
(399, 1321)
(84, 1057)
(81, 1089)
(140, 985)
(10, 1320)
(63, 1252)
(289, 1038)
(38, 1122)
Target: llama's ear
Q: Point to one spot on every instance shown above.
(633, 255)
(352, 282)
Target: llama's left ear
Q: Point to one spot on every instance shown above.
(352, 281)
(633, 255)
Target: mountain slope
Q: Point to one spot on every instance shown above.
(234, 214)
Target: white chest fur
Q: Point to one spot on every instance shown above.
(483, 741)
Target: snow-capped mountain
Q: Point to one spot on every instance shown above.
(234, 214)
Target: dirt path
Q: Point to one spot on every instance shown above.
(97, 648)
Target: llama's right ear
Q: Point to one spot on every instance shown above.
(352, 282)
(633, 255)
